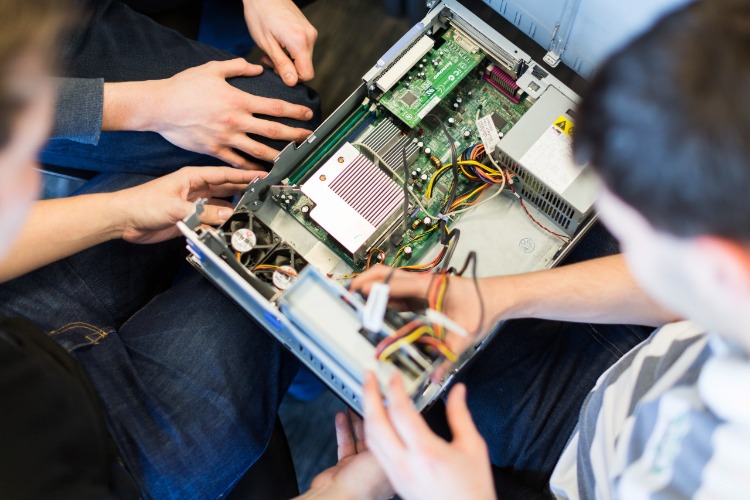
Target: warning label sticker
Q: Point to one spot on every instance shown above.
(551, 156)
(565, 124)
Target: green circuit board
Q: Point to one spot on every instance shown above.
(431, 80)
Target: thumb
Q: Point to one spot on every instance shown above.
(238, 67)
(281, 63)
(459, 418)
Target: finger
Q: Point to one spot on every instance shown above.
(358, 427)
(278, 108)
(254, 148)
(200, 177)
(214, 215)
(266, 61)
(231, 157)
(379, 433)
(402, 284)
(458, 414)
(302, 54)
(281, 62)
(237, 67)
(409, 424)
(224, 190)
(272, 130)
(344, 438)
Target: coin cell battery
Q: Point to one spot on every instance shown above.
(243, 240)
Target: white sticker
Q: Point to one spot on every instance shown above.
(551, 159)
(243, 240)
(428, 107)
(284, 277)
(488, 133)
(374, 310)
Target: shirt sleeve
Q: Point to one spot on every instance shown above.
(78, 111)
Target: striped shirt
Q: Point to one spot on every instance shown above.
(670, 420)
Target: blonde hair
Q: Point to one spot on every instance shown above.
(27, 28)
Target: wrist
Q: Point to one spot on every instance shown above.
(131, 105)
(117, 210)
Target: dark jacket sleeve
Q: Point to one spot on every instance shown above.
(78, 111)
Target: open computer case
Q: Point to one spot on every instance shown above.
(473, 133)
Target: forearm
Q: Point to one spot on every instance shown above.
(130, 105)
(596, 291)
(56, 229)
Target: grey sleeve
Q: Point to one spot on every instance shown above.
(78, 111)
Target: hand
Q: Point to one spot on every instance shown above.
(461, 303)
(418, 463)
(198, 110)
(150, 211)
(278, 27)
(357, 474)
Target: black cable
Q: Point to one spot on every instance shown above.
(406, 190)
(454, 160)
(472, 259)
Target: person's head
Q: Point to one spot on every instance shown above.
(29, 30)
(666, 123)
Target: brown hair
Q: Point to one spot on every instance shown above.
(27, 28)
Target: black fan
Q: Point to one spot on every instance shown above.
(281, 266)
(265, 239)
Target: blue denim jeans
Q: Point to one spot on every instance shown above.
(190, 385)
(120, 44)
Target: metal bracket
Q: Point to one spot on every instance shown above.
(193, 220)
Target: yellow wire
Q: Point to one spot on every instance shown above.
(409, 339)
(430, 186)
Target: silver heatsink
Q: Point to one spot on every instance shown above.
(353, 198)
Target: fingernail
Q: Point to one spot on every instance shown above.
(289, 77)
(308, 114)
(224, 213)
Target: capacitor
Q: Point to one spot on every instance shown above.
(420, 145)
(435, 62)
(436, 162)
(470, 93)
(467, 134)
(288, 201)
(427, 221)
(451, 121)
(459, 100)
(421, 74)
(407, 252)
(305, 209)
(421, 66)
(456, 106)
(423, 177)
(414, 174)
(427, 151)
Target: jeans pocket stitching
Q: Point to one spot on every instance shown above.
(96, 335)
